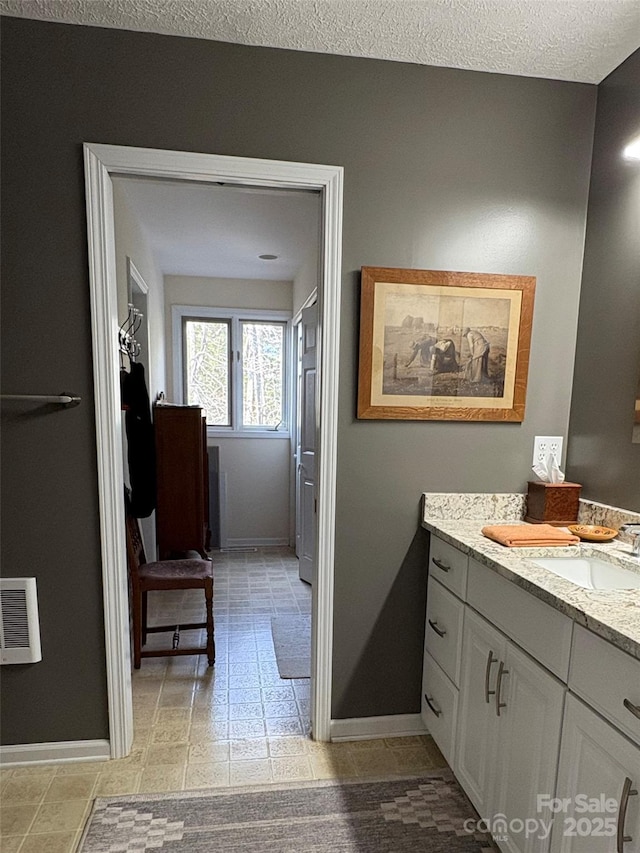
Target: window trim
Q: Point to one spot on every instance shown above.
(180, 313)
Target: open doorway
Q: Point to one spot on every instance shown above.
(228, 269)
(101, 162)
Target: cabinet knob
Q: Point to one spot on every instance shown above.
(443, 566)
(635, 709)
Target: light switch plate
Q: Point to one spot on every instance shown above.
(545, 445)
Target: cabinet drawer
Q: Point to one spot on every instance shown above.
(440, 711)
(443, 629)
(448, 565)
(542, 631)
(605, 677)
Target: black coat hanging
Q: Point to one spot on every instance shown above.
(141, 450)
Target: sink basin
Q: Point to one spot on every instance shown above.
(591, 573)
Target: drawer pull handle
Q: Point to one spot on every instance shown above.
(501, 671)
(487, 676)
(443, 566)
(436, 628)
(627, 792)
(429, 702)
(635, 709)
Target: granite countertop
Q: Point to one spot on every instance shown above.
(612, 614)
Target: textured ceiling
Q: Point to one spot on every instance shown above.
(580, 40)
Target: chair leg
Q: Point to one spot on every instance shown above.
(211, 647)
(136, 606)
(144, 617)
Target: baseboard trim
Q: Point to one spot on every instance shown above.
(257, 543)
(55, 752)
(365, 728)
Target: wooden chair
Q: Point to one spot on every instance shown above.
(165, 574)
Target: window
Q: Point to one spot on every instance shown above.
(235, 365)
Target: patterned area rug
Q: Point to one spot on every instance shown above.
(426, 813)
(292, 644)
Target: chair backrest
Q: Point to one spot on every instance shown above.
(135, 547)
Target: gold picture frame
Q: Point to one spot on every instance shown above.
(438, 345)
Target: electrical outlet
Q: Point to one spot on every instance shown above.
(547, 445)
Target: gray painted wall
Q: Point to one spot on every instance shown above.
(444, 169)
(607, 370)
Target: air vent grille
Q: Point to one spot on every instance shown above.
(19, 628)
(15, 625)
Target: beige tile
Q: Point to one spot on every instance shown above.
(242, 750)
(208, 752)
(70, 787)
(366, 745)
(335, 767)
(16, 820)
(211, 731)
(404, 742)
(210, 714)
(114, 784)
(285, 708)
(30, 789)
(206, 775)
(376, 762)
(182, 699)
(51, 842)
(239, 729)
(77, 768)
(168, 777)
(60, 817)
(281, 746)
(437, 757)
(169, 753)
(10, 843)
(284, 726)
(412, 759)
(172, 716)
(291, 768)
(40, 771)
(170, 733)
(250, 772)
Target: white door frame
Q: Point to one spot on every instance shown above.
(102, 161)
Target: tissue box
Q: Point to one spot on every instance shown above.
(553, 503)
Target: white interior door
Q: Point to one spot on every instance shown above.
(307, 455)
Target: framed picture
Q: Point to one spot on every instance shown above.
(444, 345)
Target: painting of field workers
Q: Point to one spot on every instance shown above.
(436, 344)
(443, 345)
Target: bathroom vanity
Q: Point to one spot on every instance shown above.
(531, 688)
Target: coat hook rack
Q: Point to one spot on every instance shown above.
(127, 342)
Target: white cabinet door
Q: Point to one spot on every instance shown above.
(476, 737)
(596, 761)
(530, 702)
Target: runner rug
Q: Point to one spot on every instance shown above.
(292, 644)
(426, 813)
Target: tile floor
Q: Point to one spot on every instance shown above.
(199, 727)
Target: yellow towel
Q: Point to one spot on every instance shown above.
(529, 535)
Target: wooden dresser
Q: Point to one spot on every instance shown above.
(182, 512)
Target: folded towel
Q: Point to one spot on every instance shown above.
(529, 535)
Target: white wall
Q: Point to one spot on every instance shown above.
(257, 489)
(131, 242)
(306, 280)
(257, 469)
